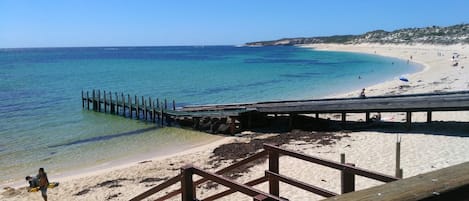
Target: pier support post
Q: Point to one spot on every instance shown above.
(82, 100)
(367, 117)
(105, 106)
(317, 116)
(145, 109)
(123, 104)
(161, 117)
(99, 101)
(165, 104)
(88, 100)
(158, 106)
(117, 103)
(273, 167)
(290, 121)
(344, 119)
(429, 116)
(174, 105)
(111, 104)
(408, 119)
(137, 112)
(153, 111)
(130, 105)
(347, 179)
(94, 100)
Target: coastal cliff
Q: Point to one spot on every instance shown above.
(428, 35)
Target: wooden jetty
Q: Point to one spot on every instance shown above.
(242, 116)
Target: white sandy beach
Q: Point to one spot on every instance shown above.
(423, 150)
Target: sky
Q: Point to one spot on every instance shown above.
(79, 23)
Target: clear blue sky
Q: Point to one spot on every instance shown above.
(53, 23)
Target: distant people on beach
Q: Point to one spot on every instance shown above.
(362, 94)
(43, 183)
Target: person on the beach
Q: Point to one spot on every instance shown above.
(362, 94)
(43, 183)
(33, 181)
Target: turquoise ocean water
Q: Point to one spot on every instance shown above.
(42, 123)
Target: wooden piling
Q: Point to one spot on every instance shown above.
(137, 112)
(130, 105)
(117, 103)
(94, 100)
(161, 117)
(317, 115)
(408, 119)
(344, 119)
(165, 104)
(429, 116)
(145, 109)
(153, 111)
(82, 100)
(111, 104)
(174, 105)
(123, 104)
(88, 100)
(99, 100)
(105, 106)
(367, 117)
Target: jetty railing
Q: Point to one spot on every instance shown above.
(272, 175)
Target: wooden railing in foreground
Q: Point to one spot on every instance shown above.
(272, 176)
(447, 184)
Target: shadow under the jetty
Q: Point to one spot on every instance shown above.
(283, 124)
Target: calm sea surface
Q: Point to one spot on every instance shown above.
(42, 123)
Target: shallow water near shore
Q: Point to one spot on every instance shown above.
(42, 123)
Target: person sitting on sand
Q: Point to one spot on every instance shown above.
(33, 181)
(43, 183)
(362, 94)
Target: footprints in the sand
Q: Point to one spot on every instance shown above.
(109, 183)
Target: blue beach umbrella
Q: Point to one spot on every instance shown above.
(402, 78)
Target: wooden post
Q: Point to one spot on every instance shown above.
(174, 105)
(111, 105)
(130, 105)
(347, 179)
(153, 111)
(290, 121)
(429, 116)
(94, 100)
(367, 117)
(145, 109)
(165, 104)
(123, 104)
(187, 185)
(88, 100)
(408, 119)
(137, 112)
(105, 106)
(162, 117)
(344, 119)
(117, 103)
(99, 100)
(273, 167)
(398, 159)
(317, 115)
(158, 106)
(150, 104)
(82, 100)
